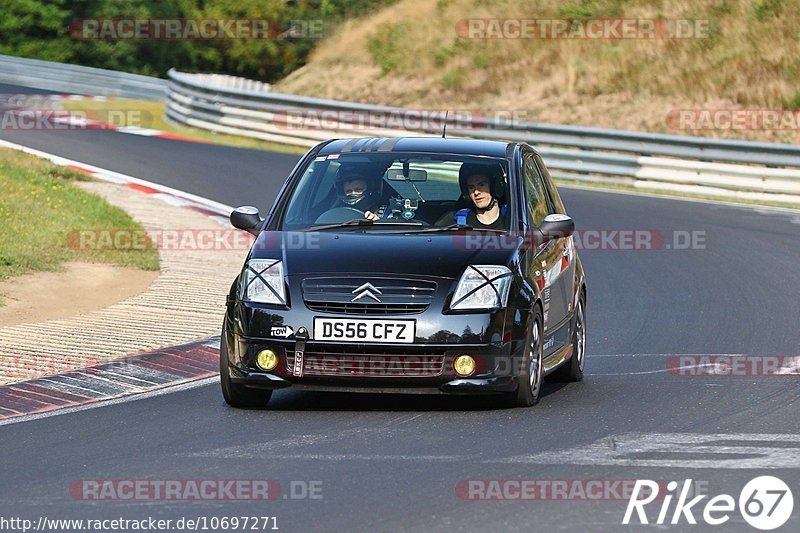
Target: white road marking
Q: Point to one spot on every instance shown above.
(115, 376)
(369, 457)
(660, 371)
(141, 372)
(135, 130)
(213, 342)
(671, 355)
(719, 450)
(100, 379)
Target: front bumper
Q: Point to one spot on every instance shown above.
(478, 385)
(420, 368)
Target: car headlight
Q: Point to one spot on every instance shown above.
(482, 287)
(263, 282)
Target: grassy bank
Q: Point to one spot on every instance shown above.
(40, 207)
(745, 55)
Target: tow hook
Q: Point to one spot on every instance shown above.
(301, 337)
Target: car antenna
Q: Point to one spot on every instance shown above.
(444, 129)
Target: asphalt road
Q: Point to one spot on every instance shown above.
(393, 462)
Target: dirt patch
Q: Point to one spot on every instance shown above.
(80, 288)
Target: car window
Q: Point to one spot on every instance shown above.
(555, 198)
(325, 185)
(441, 183)
(535, 192)
(415, 187)
(306, 190)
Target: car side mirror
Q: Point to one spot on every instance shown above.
(557, 226)
(247, 218)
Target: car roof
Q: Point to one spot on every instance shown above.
(435, 145)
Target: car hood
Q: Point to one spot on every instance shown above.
(440, 255)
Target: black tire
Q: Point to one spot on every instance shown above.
(527, 393)
(572, 370)
(237, 395)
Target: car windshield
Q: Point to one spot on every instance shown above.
(390, 192)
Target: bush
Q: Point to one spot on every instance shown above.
(384, 45)
(39, 29)
(767, 9)
(454, 79)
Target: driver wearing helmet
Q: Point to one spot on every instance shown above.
(483, 185)
(358, 190)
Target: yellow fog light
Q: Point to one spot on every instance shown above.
(464, 365)
(267, 360)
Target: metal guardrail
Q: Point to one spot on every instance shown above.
(232, 82)
(76, 79)
(750, 170)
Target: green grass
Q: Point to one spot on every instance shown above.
(41, 207)
(385, 45)
(150, 114)
(767, 9)
(454, 78)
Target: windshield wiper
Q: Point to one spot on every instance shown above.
(362, 222)
(452, 227)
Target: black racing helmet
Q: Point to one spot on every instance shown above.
(494, 171)
(363, 202)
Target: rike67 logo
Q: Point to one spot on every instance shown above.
(765, 503)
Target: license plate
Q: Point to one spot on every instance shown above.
(364, 330)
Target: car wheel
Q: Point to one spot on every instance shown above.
(573, 369)
(530, 376)
(237, 395)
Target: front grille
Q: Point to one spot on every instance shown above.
(364, 365)
(366, 309)
(397, 296)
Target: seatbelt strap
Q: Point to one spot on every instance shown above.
(461, 214)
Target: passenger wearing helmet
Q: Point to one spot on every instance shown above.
(358, 190)
(483, 185)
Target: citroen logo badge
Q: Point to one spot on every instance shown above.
(367, 290)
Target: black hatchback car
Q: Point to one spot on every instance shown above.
(412, 265)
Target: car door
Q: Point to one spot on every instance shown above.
(546, 256)
(562, 282)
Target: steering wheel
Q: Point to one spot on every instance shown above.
(338, 215)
